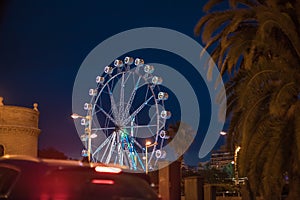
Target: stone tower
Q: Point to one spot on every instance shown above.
(19, 130)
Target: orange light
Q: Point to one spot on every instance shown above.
(103, 181)
(104, 169)
(148, 143)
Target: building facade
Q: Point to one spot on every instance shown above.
(19, 130)
(221, 158)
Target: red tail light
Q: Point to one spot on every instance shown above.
(103, 181)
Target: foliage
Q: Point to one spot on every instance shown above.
(51, 152)
(259, 40)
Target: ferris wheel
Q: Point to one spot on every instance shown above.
(126, 113)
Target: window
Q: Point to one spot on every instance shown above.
(1, 150)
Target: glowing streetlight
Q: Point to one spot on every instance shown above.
(236, 173)
(236, 151)
(148, 144)
(76, 116)
(223, 133)
(88, 130)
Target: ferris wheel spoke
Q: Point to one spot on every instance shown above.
(113, 137)
(152, 133)
(137, 143)
(140, 126)
(132, 95)
(113, 104)
(153, 117)
(102, 145)
(122, 94)
(129, 73)
(137, 110)
(147, 91)
(105, 128)
(152, 154)
(139, 159)
(108, 116)
(120, 154)
(112, 146)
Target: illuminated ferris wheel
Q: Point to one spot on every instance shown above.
(126, 113)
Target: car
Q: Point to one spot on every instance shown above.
(25, 177)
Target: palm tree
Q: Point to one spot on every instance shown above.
(260, 41)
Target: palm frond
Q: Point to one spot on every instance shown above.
(270, 19)
(283, 99)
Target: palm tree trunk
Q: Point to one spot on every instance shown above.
(294, 186)
(247, 193)
(294, 181)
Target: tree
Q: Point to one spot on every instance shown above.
(260, 41)
(51, 152)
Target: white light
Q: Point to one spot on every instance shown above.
(84, 122)
(163, 96)
(108, 70)
(87, 106)
(157, 80)
(223, 133)
(160, 154)
(93, 92)
(165, 114)
(162, 134)
(128, 60)
(76, 116)
(100, 79)
(138, 62)
(83, 138)
(84, 153)
(118, 63)
(94, 135)
(149, 69)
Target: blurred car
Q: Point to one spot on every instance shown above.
(23, 177)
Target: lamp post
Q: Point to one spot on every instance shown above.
(236, 151)
(88, 130)
(236, 173)
(148, 144)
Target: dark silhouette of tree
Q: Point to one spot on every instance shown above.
(260, 41)
(51, 152)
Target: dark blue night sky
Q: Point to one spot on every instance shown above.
(43, 43)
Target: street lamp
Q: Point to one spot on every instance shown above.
(236, 151)
(148, 144)
(236, 173)
(88, 130)
(223, 133)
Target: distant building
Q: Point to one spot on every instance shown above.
(184, 166)
(18, 130)
(221, 158)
